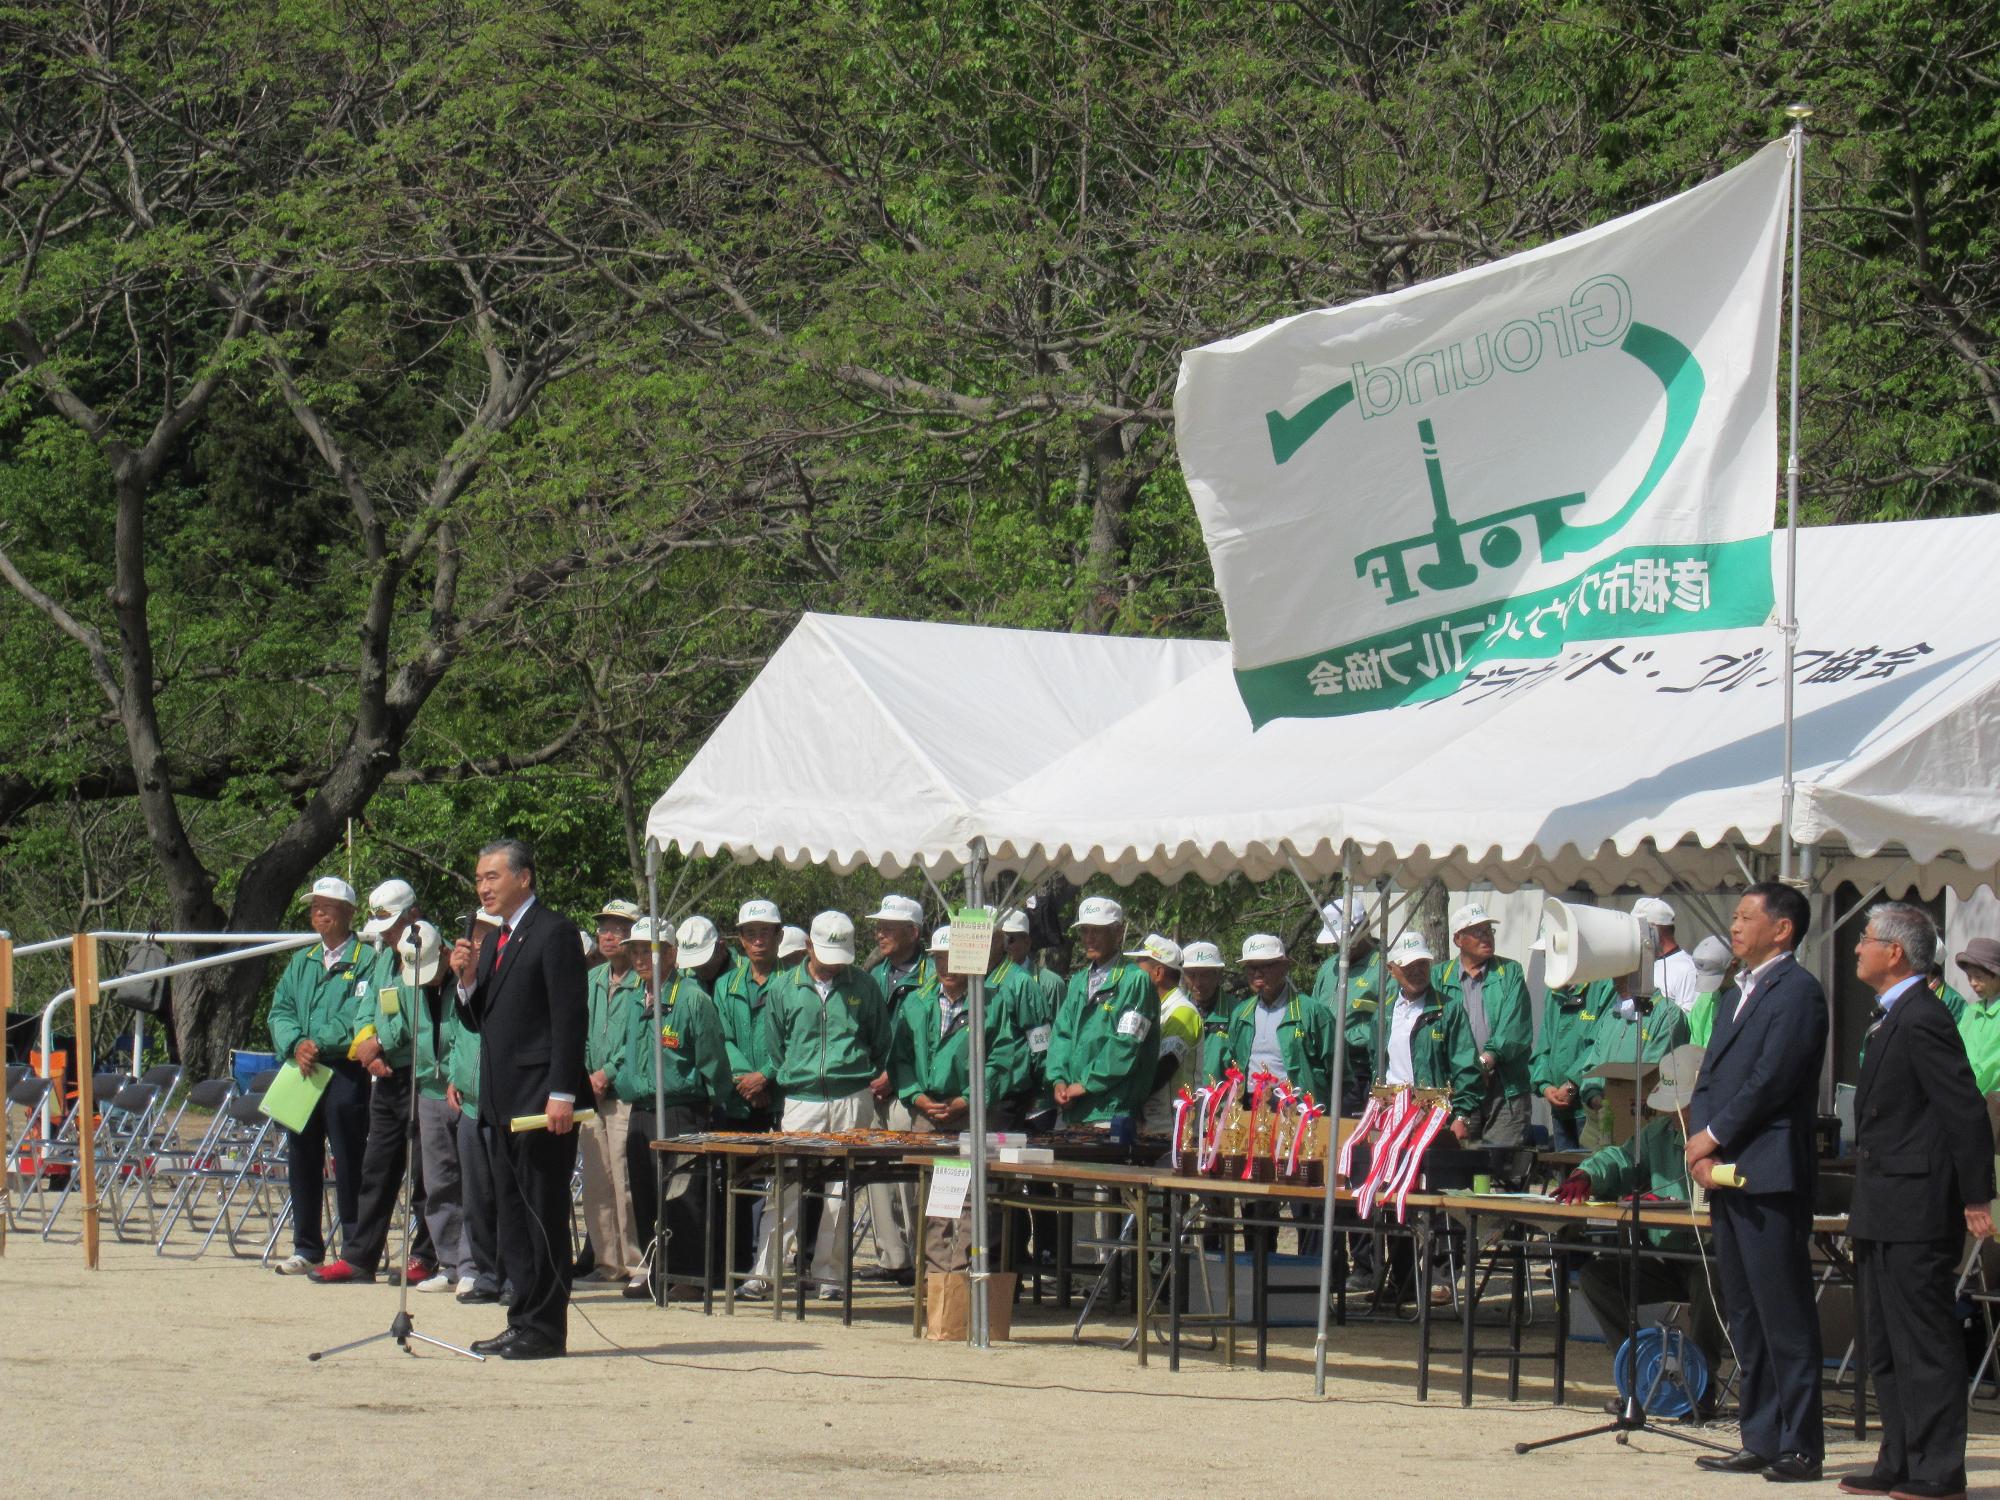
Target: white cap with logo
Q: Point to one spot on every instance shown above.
(899, 909)
(387, 904)
(419, 950)
(1161, 950)
(832, 938)
(1411, 948)
(1712, 958)
(1098, 911)
(624, 911)
(1201, 956)
(642, 934)
(333, 888)
(791, 940)
(694, 943)
(1014, 922)
(759, 910)
(941, 939)
(1262, 948)
(1472, 914)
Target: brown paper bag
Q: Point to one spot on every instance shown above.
(948, 1306)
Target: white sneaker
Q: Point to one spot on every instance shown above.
(756, 1289)
(295, 1265)
(829, 1291)
(467, 1285)
(441, 1282)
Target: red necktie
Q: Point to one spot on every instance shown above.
(500, 945)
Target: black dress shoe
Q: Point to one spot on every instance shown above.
(527, 1344)
(497, 1343)
(1874, 1482)
(1794, 1468)
(479, 1294)
(1929, 1489)
(1742, 1461)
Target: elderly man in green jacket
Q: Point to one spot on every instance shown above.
(1562, 1052)
(612, 993)
(312, 1025)
(475, 1167)
(1652, 1023)
(1277, 1030)
(1107, 1035)
(670, 1056)
(1427, 1043)
(828, 1027)
(1654, 1164)
(1492, 994)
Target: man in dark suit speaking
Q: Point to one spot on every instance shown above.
(1753, 1110)
(524, 993)
(1923, 1176)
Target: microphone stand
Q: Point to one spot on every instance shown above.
(1631, 1416)
(402, 1328)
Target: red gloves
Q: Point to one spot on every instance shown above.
(1575, 1188)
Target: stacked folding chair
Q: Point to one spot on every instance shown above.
(29, 1095)
(193, 1169)
(58, 1155)
(161, 1137)
(122, 1131)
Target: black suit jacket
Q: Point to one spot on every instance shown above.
(531, 1017)
(1758, 1093)
(1923, 1148)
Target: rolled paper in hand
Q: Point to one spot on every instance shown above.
(1726, 1175)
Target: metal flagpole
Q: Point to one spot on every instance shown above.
(1333, 1107)
(981, 1325)
(1798, 114)
(656, 1263)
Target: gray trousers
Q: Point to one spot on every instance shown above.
(481, 1213)
(444, 1188)
(1501, 1122)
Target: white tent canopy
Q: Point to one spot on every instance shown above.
(1646, 764)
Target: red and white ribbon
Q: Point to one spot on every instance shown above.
(1414, 1159)
(1403, 1117)
(1371, 1117)
(1182, 1101)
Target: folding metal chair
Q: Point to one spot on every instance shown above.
(121, 1131)
(192, 1168)
(252, 1152)
(30, 1095)
(57, 1156)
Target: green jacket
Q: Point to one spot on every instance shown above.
(926, 1059)
(1569, 1020)
(685, 1037)
(608, 1025)
(1665, 1028)
(1953, 1000)
(1305, 1041)
(1014, 1025)
(1361, 1066)
(390, 1006)
(1443, 1054)
(1364, 984)
(921, 976)
(409, 1036)
(739, 1006)
(1108, 1042)
(1510, 1019)
(311, 1004)
(1658, 1167)
(1979, 1029)
(1214, 1044)
(461, 1066)
(826, 1049)
(1036, 1003)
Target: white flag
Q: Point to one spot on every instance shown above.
(1577, 443)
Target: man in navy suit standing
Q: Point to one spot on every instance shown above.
(1923, 1178)
(1753, 1109)
(524, 992)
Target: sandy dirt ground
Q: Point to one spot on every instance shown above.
(192, 1377)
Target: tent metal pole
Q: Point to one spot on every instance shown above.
(1798, 114)
(1333, 1107)
(656, 1265)
(980, 1327)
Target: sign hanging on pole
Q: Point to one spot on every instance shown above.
(1575, 443)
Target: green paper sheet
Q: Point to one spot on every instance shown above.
(292, 1098)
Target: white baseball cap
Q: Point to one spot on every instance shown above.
(832, 938)
(898, 909)
(1098, 911)
(694, 943)
(333, 888)
(1472, 914)
(1201, 956)
(420, 951)
(1261, 948)
(1653, 909)
(1711, 962)
(1161, 950)
(941, 939)
(387, 904)
(1411, 948)
(791, 940)
(759, 910)
(1334, 924)
(627, 911)
(1014, 922)
(642, 934)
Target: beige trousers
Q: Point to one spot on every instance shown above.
(607, 1193)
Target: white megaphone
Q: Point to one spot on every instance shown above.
(1584, 943)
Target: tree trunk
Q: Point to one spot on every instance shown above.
(1432, 916)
